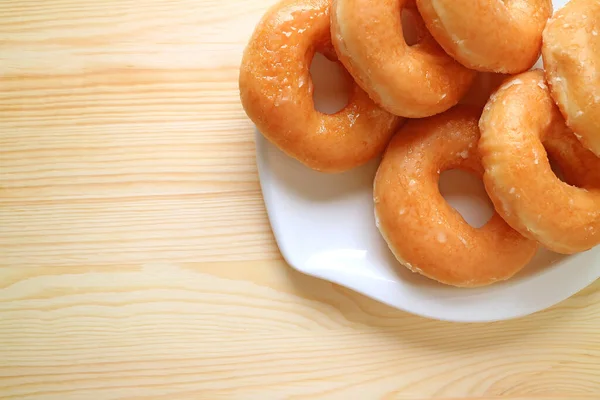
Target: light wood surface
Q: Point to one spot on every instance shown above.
(136, 259)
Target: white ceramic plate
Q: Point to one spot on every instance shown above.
(324, 226)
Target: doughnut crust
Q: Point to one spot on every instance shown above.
(410, 81)
(423, 231)
(276, 91)
(571, 53)
(489, 35)
(519, 123)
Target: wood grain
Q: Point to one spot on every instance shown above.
(136, 259)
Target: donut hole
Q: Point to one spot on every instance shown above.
(411, 22)
(483, 86)
(331, 85)
(466, 194)
(557, 169)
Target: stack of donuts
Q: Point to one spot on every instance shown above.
(404, 105)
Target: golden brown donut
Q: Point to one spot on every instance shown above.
(489, 35)
(571, 53)
(410, 81)
(423, 231)
(277, 92)
(517, 122)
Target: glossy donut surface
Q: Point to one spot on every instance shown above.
(489, 35)
(518, 121)
(277, 92)
(423, 231)
(571, 54)
(410, 81)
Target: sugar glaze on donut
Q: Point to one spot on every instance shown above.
(423, 231)
(277, 92)
(571, 53)
(410, 81)
(518, 121)
(489, 35)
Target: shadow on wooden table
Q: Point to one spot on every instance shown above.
(354, 309)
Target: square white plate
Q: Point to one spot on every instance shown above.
(325, 227)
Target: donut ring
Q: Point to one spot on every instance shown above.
(492, 35)
(571, 53)
(276, 92)
(517, 122)
(410, 81)
(423, 231)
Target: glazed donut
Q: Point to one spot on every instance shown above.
(423, 231)
(519, 119)
(571, 54)
(410, 81)
(489, 35)
(277, 92)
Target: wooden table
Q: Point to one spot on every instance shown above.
(136, 259)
